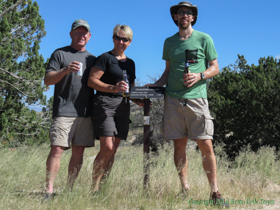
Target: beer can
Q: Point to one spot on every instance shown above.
(80, 72)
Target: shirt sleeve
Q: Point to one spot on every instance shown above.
(132, 77)
(102, 62)
(54, 62)
(165, 52)
(210, 50)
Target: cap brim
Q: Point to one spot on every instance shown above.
(83, 26)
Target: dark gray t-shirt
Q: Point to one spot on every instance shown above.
(72, 96)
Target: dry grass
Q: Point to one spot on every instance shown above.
(251, 176)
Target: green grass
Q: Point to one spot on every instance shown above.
(251, 176)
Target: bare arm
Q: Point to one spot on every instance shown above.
(191, 78)
(54, 77)
(164, 77)
(212, 70)
(95, 82)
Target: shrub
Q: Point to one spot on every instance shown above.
(245, 103)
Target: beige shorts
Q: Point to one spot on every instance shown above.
(67, 131)
(187, 118)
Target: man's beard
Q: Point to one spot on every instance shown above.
(184, 26)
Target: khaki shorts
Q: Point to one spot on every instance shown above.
(187, 118)
(67, 131)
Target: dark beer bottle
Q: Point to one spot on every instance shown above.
(126, 93)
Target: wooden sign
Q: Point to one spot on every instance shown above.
(147, 92)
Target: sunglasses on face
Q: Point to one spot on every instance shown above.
(183, 12)
(118, 38)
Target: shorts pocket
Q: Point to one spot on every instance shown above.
(209, 125)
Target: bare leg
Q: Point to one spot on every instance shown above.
(110, 163)
(53, 165)
(100, 165)
(181, 161)
(209, 162)
(75, 164)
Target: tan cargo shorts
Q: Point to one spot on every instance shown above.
(187, 118)
(67, 131)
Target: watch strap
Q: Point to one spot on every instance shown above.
(202, 76)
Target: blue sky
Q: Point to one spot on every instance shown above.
(246, 27)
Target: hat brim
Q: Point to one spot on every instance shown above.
(78, 25)
(174, 9)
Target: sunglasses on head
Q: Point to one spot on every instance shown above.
(118, 38)
(183, 12)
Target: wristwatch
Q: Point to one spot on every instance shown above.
(202, 76)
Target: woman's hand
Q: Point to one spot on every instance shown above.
(121, 87)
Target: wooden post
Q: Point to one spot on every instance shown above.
(146, 159)
(146, 93)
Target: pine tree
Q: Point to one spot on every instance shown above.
(21, 72)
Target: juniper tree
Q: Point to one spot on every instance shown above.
(245, 102)
(21, 71)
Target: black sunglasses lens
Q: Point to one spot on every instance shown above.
(182, 12)
(118, 38)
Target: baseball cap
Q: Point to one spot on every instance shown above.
(80, 22)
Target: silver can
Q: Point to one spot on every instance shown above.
(80, 72)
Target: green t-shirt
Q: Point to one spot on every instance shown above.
(201, 50)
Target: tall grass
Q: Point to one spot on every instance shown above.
(251, 176)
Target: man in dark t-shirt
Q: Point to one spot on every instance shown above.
(72, 126)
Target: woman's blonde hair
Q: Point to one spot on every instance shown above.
(126, 30)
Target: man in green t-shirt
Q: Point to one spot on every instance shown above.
(186, 112)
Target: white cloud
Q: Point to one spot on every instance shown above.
(277, 56)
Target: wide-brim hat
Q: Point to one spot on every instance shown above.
(174, 9)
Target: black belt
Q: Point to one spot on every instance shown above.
(112, 95)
